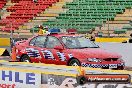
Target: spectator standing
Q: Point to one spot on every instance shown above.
(100, 33)
(46, 30)
(41, 31)
(92, 38)
(91, 35)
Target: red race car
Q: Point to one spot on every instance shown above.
(66, 49)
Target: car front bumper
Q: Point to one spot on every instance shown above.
(109, 66)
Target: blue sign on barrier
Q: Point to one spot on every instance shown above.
(30, 77)
(18, 79)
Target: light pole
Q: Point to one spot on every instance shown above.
(11, 37)
(33, 16)
(109, 22)
(108, 26)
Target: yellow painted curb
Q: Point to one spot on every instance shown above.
(40, 71)
(97, 39)
(4, 41)
(2, 50)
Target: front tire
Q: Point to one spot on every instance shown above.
(74, 62)
(25, 58)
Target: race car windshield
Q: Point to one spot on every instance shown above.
(78, 42)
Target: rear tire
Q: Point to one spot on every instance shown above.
(74, 62)
(25, 58)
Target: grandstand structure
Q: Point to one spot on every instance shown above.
(112, 17)
(2, 3)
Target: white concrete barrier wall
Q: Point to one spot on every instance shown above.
(24, 75)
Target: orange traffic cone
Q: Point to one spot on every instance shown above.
(13, 55)
(83, 72)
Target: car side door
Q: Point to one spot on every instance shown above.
(54, 56)
(35, 46)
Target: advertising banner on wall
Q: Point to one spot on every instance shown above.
(108, 81)
(58, 81)
(14, 79)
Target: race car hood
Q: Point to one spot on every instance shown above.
(93, 53)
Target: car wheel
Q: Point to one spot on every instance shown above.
(25, 58)
(74, 62)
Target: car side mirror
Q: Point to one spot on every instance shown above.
(59, 47)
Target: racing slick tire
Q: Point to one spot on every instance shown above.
(74, 62)
(25, 58)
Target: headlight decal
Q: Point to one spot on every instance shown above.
(93, 60)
